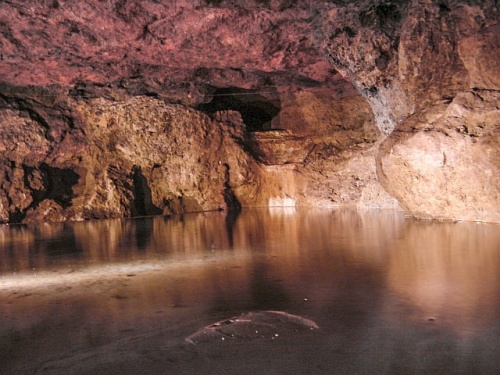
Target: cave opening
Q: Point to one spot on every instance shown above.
(59, 185)
(46, 182)
(55, 183)
(257, 110)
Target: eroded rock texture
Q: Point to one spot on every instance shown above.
(126, 108)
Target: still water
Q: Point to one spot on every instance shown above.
(390, 295)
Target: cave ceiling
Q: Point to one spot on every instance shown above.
(182, 49)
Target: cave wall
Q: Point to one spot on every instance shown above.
(430, 71)
(137, 155)
(128, 108)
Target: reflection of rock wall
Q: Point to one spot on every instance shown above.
(444, 271)
(374, 282)
(443, 275)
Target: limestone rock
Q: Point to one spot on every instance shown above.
(251, 326)
(47, 211)
(479, 53)
(446, 164)
(133, 156)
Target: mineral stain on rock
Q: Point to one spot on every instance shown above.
(251, 326)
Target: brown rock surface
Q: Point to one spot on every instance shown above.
(123, 108)
(445, 163)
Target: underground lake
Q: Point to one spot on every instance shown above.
(387, 293)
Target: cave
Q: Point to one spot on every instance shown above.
(256, 110)
(249, 187)
(58, 185)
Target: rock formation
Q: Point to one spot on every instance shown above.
(126, 108)
(251, 326)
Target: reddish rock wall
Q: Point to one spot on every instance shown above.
(123, 108)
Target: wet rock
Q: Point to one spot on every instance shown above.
(251, 326)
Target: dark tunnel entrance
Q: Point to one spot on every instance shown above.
(256, 110)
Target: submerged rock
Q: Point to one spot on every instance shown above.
(262, 325)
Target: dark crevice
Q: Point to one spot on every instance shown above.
(232, 203)
(443, 7)
(58, 184)
(387, 15)
(16, 217)
(256, 110)
(233, 206)
(143, 202)
(55, 184)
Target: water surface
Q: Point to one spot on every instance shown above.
(391, 295)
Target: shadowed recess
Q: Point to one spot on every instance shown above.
(256, 110)
(143, 203)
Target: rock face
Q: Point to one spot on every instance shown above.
(127, 108)
(430, 72)
(445, 162)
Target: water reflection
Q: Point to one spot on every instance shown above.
(372, 280)
(450, 274)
